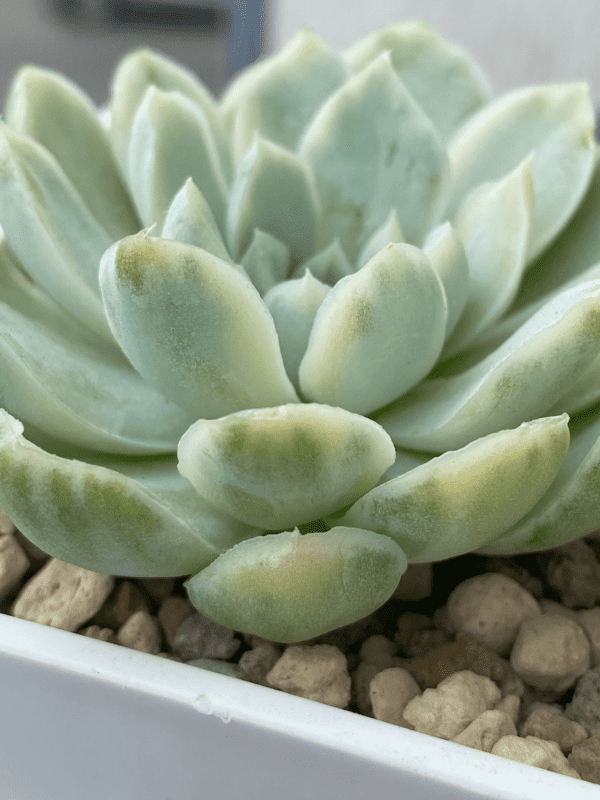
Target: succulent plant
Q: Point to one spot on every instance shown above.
(344, 319)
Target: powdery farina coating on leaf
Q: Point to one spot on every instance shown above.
(219, 319)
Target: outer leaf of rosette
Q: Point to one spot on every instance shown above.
(293, 305)
(377, 333)
(57, 114)
(494, 225)
(286, 587)
(190, 220)
(60, 382)
(389, 233)
(522, 378)
(446, 82)
(143, 68)
(52, 233)
(170, 142)
(152, 524)
(328, 266)
(266, 261)
(272, 190)
(372, 149)
(193, 326)
(447, 255)
(463, 499)
(287, 94)
(270, 466)
(557, 123)
(570, 508)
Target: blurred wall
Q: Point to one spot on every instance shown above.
(517, 42)
(79, 39)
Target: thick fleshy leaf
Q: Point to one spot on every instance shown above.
(143, 68)
(557, 123)
(56, 113)
(52, 233)
(150, 525)
(522, 379)
(281, 102)
(19, 292)
(193, 326)
(445, 81)
(276, 467)
(272, 191)
(463, 499)
(328, 266)
(266, 261)
(372, 149)
(494, 225)
(287, 587)
(574, 251)
(570, 508)
(293, 305)
(497, 334)
(448, 258)
(377, 333)
(190, 219)
(389, 233)
(78, 393)
(171, 141)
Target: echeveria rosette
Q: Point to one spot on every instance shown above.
(344, 319)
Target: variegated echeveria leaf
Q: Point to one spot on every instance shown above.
(327, 577)
(360, 328)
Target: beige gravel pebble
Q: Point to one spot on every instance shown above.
(536, 752)
(491, 607)
(550, 652)
(318, 672)
(141, 632)
(13, 564)
(62, 595)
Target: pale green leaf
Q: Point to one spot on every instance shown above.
(372, 149)
(276, 467)
(288, 92)
(570, 508)
(78, 393)
(446, 82)
(293, 305)
(389, 233)
(170, 142)
(56, 113)
(377, 333)
(557, 123)
(266, 261)
(190, 219)
(463, 499)
(272, 191)
(520, 380)
(193, 326)
(574, 251)
(286, 587)
(329, 265)
(494, 225)
(135, 74)
(448, 258)
(150, 525)
(52, 233)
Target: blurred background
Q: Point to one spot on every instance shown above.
(517, 42)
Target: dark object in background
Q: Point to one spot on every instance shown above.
(240, 22)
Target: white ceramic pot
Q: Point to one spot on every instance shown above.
(89, 720)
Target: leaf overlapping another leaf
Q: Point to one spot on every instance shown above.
(366, 301)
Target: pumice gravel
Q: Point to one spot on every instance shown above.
(498, 654)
